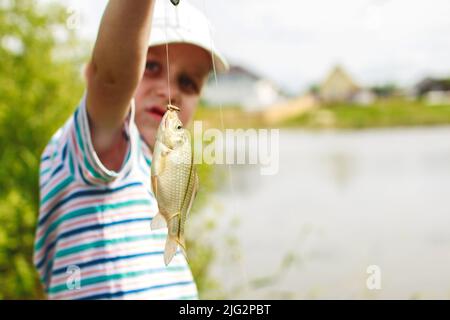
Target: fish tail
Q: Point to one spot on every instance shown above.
(170, 249)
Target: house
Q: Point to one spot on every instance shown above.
(339, 86)
(241, 87)
(433, 91)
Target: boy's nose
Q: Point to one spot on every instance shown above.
(170, 96)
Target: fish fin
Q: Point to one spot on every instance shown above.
(197, 182)
(162, 164)
(155, 185)
(158, 222)
(194, 192)
(170, 249)
(159, 158)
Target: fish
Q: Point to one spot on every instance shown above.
(174, 181)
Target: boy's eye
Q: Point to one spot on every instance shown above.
(188, 85)
(152, 67)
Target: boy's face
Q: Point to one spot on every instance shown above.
(189, 66)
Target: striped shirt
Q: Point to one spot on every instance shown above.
(93, 239)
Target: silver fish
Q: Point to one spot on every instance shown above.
(174, 180)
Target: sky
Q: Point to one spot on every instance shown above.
(295, 43)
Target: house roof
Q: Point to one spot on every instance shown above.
(241, 71)
(432, 84)
(338, 74)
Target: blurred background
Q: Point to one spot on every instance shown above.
(360, 91)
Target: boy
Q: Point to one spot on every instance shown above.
(93, 239)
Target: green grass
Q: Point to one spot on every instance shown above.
(384, 113)
(397, 112)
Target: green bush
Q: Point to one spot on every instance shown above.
(40, 81)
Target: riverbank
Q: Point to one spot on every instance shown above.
(381, 114)
(384, 113)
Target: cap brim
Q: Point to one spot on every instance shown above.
(220, 63)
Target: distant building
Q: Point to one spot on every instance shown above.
(340, 87)
(241, 87)
(363, 97)
(434, 91)
(431, 84)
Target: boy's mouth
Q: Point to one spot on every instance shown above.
(156, 112)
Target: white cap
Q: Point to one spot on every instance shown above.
(184, 24)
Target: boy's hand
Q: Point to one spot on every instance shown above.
(116, 68)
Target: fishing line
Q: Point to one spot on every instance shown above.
(167, 53)
(230, 175)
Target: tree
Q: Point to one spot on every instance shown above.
(40, 85)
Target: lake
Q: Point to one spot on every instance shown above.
(341, 202)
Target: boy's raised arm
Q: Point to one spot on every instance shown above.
(116, 67)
